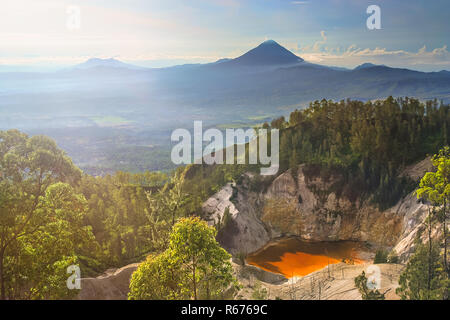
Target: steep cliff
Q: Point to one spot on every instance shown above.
(297, 204)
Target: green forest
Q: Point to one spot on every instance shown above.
(53, 215)
(366, 144)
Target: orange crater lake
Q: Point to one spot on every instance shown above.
(294, 257)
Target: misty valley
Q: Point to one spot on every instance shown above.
(113, 116)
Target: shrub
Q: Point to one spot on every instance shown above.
(393, 258)
(381, 256)
(366, 293)
(259, 292)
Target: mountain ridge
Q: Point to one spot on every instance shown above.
(108, 63)
(267, 53)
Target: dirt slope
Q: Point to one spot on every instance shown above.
(321, 285)
(112, 285)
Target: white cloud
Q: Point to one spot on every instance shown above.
(423, 59)
(435, 59)
(318, 45)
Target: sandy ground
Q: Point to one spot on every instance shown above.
(337, 283)
(111, 285)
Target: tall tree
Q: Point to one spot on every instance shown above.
(169, 200)
(28, 166)
(194, 266)
(435, 187)
(417, 282)
(194, 247)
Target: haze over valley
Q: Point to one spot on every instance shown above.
(109, 115)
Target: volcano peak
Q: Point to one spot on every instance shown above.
(267, 53)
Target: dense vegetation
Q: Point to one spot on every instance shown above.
(424, 277)
(194, 266)
(365, 144)
(427, 274)
(52, 215)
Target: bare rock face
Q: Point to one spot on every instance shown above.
(113, 285)
(243, 232)
(214, 208)
(292, 204)
(413, 226)
(319, 215)
(326, 217)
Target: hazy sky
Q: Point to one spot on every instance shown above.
(413, 34)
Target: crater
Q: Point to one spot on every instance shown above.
(294, 257)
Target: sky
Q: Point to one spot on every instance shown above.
(54, 33)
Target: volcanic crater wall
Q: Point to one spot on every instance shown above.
(296, 204)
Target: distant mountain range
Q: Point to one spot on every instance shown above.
(264, 82)
(270, 76)
(367, 65)
(268, 53)
(123, 108)
(268, 79)
(104, 63)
